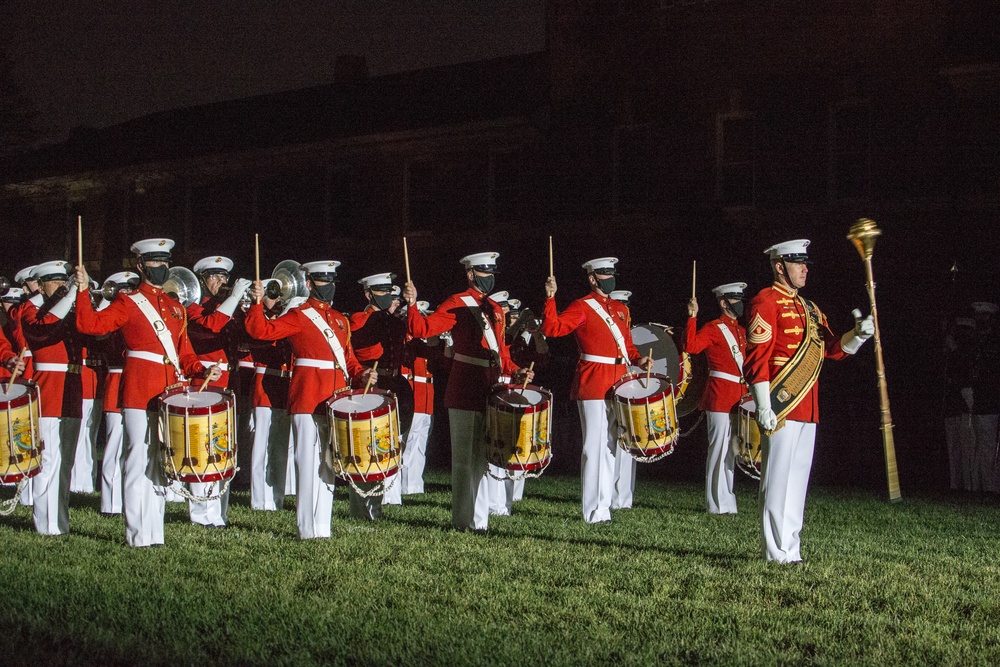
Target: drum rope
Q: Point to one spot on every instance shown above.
(701, 416)
(174, 484)
(7, 507)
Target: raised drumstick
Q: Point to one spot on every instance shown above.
(13, 376)
(368, 384)
(79, 240)
(694, 276)
(406, 259)
(256, 256)
(552, 270)
(531, 367)
(205, 383)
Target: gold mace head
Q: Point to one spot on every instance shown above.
(863, 234)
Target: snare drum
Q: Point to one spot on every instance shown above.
(518, 428)
(20, 442)
(364, 435)
(745, 439)
(647, 418)
(199, 431)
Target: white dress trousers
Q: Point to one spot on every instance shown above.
(213, 512)
(50, 487)
(501, 491)
(144, 480)
(272, 429)
(985, 428)
(470, 495)
(111, 465)
(314, 489)
(784, 478)
(290, 468)
(597, 464)
(519, 490)
(415, 454)
(719, 466)
(84, 471)
(623, 488)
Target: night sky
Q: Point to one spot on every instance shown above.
(101, 62)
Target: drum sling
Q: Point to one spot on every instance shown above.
(331, 339)
(161, 331)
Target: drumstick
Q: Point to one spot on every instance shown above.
(531, 367)
(368, 384)
(79, 240)
(256, 256)
(406, 259)
(13, 376)
(552, 270)
(694, 277)
(205, 383)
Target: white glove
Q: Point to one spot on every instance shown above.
(864, 329)
(294, 302)
(766, 418)
(230, 305)
(61, 309)
(967, 396)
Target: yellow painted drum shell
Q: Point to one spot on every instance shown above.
(646, 413)
(197, 438)
(745, 439)
(20, 442)
(364, 434)
(518, 431)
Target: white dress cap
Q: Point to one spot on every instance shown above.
(152, 247)
(214, 263)
(484, 261)
(381, 280)
(515, 304)
(325, 266)
(984, 307)
(55, 268)
(793, 251)
(733, 290)
(423, 307)
(500, 297)
(13, 295)
(122, 277)
(23, 274)
(602, 265)
(622, 295)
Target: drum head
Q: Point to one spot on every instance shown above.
(16, 391)
(642, 388)
(666, 360)
(696, 383)
(194, 399)
(515, 397)
(359, 402)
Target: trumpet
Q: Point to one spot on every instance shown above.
(5, 285)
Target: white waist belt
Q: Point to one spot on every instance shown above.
(474, 361)
(246, 364)
(725, 376)
(276, 372)
(57, 368)
(148, 356)
(93, 363)
(325, 364)
(597, 359)
(422, 379)
(26, 354)
(209, 364)
(114, 369)
(504, 378)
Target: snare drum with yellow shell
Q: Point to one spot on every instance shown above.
(20, 441)
(199, 431)
(518, 429)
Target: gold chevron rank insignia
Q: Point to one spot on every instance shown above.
(759, 331)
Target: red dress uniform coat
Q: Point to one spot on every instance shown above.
(55, 341)
(468, 384)
(309, 387)
(720, 394)
(775, 331)
(205, 326)
(6, 353)
(8, 334)
(378, 336)
(142, 380)
(420, 378)
(592, 379)
(18, 342)
(272, 371)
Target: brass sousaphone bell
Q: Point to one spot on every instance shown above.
(288, 281)
(183, 285)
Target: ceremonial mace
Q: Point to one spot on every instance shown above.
(863, 234)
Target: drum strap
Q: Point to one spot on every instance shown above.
(160, 329)
(798, 376)
(480, 316)
(608, 320)
(331, 339)
(734, 347)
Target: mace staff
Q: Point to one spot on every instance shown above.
(863, 234)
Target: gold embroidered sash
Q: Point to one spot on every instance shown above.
(796, 378)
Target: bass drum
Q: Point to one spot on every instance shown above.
(666, 360)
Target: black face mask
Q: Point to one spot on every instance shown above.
(60, 292)
(156, 274)
(484, 283)
(325, 292)
(737, 308)
(384, 301)
(606, 285)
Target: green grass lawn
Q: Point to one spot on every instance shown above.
(664, 583)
